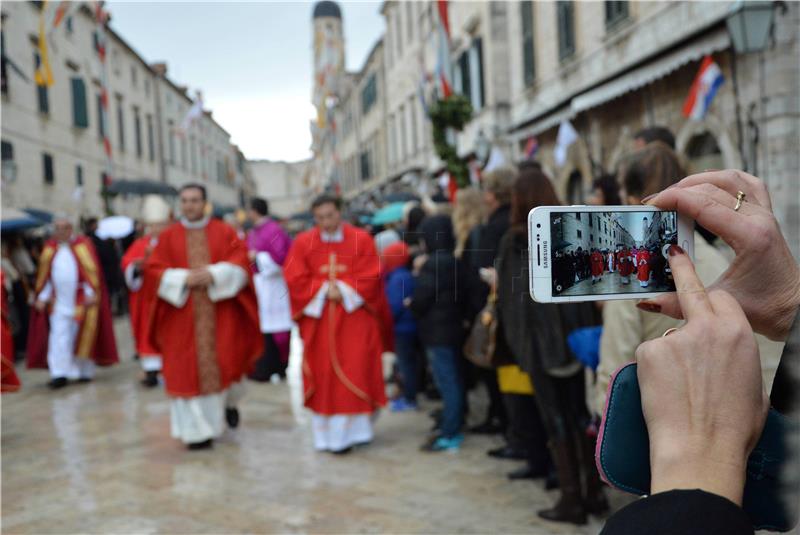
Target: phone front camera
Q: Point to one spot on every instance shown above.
(538, 225)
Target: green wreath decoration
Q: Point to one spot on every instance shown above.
(451, 112)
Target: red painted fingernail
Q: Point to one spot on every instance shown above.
(649, 197)
(649, 307)
(675, 250)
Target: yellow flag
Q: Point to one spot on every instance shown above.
(43, 74)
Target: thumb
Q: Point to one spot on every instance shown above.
(666, 304)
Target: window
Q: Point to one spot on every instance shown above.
(133, 76)
(8, 151)
(9, 169)
(151, 145)
(615, 12)
(528, 50)
(101, 124)
(469, 74)
(69, 26)
(369, 94)
(3, 65)
(137, 130)
(147, 87)
(171, 135)
(565, 12)
(578, 216)
(120, 124)
(580, 234)
(41, 90)
(47, 168)
(80, 114)
(78, 176)
(365, 170)
(591, 221)
(591, 237)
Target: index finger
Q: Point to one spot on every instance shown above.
(692, 294)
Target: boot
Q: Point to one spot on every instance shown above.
(594, 499)
(569, 507)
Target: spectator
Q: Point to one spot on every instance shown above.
(605, 192)
(435, 304)
(652, 134)
(536, 335)
(399, 284)
(467, 214)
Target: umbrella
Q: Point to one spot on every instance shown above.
(141, 187)
(389, 214)
(114, 227)
(561, 244)
(13, 219)
(43, 215)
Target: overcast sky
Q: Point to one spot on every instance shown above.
(251, 60)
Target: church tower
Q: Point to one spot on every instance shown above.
(328, 59)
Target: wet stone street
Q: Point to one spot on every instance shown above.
(98, 458)
(611, 283)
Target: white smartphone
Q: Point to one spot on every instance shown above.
(598, 253)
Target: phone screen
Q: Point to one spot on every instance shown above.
(601, 253)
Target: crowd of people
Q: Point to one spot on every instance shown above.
(210, 308)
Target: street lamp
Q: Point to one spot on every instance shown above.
(749, 24)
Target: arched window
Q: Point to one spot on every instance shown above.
(703, 152)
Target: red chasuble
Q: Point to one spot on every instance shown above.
(142, 300)
(205, 346)
(597, 264)
(643, 262)
(342, 372)
(9, 382)
(95, 337)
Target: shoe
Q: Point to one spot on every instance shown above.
(526, 472)
(344, 451)
(507, 452)
(84, 380)
(232, 417)
(57, 382)
(486, 428)
(444, 444)
(150, 379)
(570, 506)
(402, 405)
(204, 445)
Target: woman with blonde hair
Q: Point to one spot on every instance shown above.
(467, 214)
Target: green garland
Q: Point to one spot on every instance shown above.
(452, 112)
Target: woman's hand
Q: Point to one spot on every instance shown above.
(764, 277)
(702, 393)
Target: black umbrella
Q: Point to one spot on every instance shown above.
(141, 187)
(400, 196)
(42, 215)
(561, 244)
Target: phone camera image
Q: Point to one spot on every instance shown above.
(602, 253)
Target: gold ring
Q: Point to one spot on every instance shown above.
(740, 199)
(669, 331)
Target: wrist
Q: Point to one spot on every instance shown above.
(787, 311)
(699, 464)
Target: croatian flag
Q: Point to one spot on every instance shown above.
(708, 80)
(443, 52)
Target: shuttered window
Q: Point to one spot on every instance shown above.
(565, 12)
(528, 54)
(47, 171)
(80, 114)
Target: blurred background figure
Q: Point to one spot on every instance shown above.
(268, 244)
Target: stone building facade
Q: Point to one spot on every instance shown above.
(53, 156)
(283, 184)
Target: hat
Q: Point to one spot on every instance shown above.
(155, 210)
(394, 256)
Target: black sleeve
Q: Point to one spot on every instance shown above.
(684, 512)
(424, 295)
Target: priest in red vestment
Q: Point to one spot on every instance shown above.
(141, 296)
(9, 382)
(597, 264)
(71, 328)
(643, 267)
(337, 298)
(205, 320)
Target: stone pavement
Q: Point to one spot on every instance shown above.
(98, 458)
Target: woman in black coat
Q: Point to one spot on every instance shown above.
(536, 335)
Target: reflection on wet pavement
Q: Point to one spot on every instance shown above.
(98, 458)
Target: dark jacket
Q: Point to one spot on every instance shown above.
(481, 251)
(436, 298)
(536, 333)
(399, 285)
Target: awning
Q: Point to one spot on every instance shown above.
(652, 71)
(545, 123)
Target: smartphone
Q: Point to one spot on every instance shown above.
(598, 253)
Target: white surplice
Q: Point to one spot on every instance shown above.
(338, 432)
(200, 418)
(62, 288)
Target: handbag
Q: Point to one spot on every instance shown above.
(482, 340)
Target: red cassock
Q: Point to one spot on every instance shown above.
(625, 264)
(141, 300)
(643, 264)
(96, 332)
(342, 370)
(227, 332)
(597, 264)
(9, 382)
